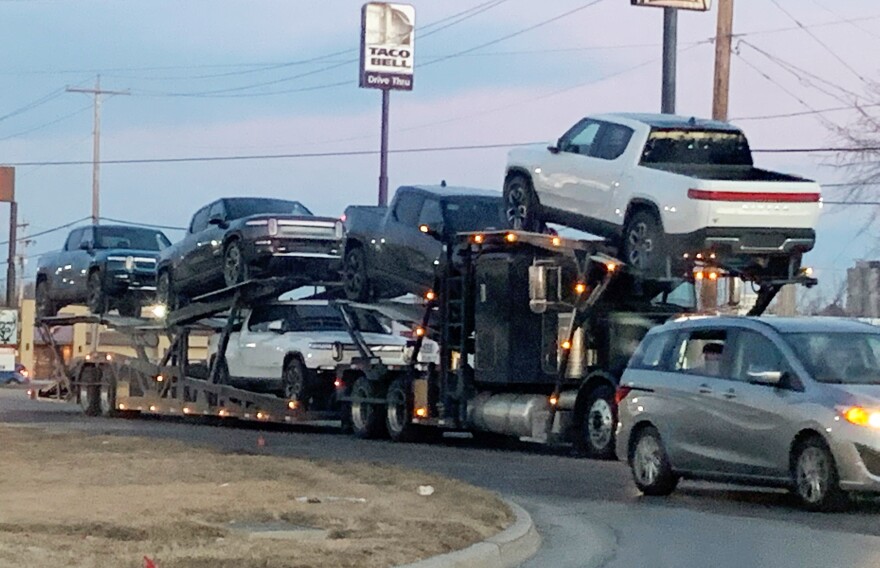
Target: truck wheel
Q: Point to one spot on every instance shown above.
(354, 275)
(97, 299)
(650, 465)
(596, 424)
(642, 246)
(399, 413)
(814, 477)
(46, 308)
(295, 381)
(521, 204)
(90, 393)
(235, 268)
(130, 307)
(366, 418)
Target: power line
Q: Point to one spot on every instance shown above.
(804, 113)
(48, 231)
(819, 41)
(47, 124)
(147, 225)
(40, 101)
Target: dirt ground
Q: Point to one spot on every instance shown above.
(108, 502)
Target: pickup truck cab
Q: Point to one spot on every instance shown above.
(664, 186)
(387, 255)
(102, 266)
(292, 348)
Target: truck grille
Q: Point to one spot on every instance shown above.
(304, 245)
(313, 229)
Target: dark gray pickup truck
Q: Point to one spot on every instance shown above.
(104, 267)
(386, 255)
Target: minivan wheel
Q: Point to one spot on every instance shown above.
(650, 465)
(597, 423)
(815, 479)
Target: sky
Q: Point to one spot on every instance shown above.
(213, 78)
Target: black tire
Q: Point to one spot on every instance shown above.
(129, 306)
(596, 424)
(815, 481)
(399, 413)
(235, 267)
(222, 371)
(643, 245)
(521, 206)
(97, 298)
(650, 465)
(164, 290)
(295, 381)
(90, 391)
(45, 307)
(355, 281)
(367, 419)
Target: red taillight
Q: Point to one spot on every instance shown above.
(755, 196)
(343, 217)
(620, 394)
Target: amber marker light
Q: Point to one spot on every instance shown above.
(422, 412)
(292, 405)
(610, 266)
(862, 417)
(580, 288)
(424, 228)
(479, 239)
(699, 275)
(713, 276)
(554, 400)
(510, 237)
(556, 241)
(566, 345)
(420, 332)
(159, 378)
(430, 296)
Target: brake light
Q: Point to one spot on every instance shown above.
(620, 394)
(758, 196)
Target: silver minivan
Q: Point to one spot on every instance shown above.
(788, 402)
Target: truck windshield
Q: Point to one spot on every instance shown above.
(684, 295)
(842, 358)
(312, 318)
(238, 208)
(130, 238)
(697, 147)
(473, 215)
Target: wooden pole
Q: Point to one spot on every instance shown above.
(723, 38)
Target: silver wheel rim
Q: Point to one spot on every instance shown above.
(360, 410)
(354, 275)
(104, 402)
(517, 206)
(84, 398)
(647, 461)
(396, 411)
(640, 245)
(233, 266)
(600, 424)
(293, 383)
(813, 475)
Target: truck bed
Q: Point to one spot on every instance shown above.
(725, 173)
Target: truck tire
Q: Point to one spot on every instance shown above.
(643, 242)
(235, 268)
(521, 205)
(399, 413)
(129, 306)
(90, 393)
(355, 281)
(45, 307)
(596, 423)
(97, 299)
(367, 420)
(295, 381)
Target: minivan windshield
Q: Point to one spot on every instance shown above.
(841, 358)
(697, 147)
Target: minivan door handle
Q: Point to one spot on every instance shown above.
(704, 389)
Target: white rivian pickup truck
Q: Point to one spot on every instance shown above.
(663, 187)
(292, 348)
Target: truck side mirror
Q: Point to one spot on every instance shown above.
(736, 291)
(431, 232)
(86, 246)
(217, 220)
(555, 146)
(545, 287)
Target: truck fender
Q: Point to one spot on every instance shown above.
(591, 383)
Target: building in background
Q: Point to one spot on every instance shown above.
(863, 289)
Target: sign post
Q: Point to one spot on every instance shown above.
(387, 56)
(670, 42)
(7, 194)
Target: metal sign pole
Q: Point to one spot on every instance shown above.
(383, 152)
(10, 263)
(670, 56)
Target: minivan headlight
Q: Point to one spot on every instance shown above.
(861, 416)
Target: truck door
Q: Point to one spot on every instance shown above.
(403, 240)
(185, 255)
(208, 255)
(261, 345)
(60, 277)
(81, 259)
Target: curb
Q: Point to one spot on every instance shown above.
(508, 549)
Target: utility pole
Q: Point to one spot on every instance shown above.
(96, 150)
(670, 56)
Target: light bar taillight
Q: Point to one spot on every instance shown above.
(754, 196)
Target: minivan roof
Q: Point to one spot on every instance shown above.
(806, 324)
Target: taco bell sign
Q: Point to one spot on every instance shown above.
(387, 46)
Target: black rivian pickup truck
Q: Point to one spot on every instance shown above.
(233, 240)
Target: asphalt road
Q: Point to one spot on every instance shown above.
(588, 512)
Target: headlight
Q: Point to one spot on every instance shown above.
(321, 346)
(862, 416)
(340, 230)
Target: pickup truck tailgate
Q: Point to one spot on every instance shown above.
(765, 204)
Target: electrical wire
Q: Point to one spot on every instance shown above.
(40, 101)
(47, 124)
(147, 225)
(48, 231)
(803, 113)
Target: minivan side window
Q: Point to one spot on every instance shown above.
(651, 352)
(754, 354)
(703, 352)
